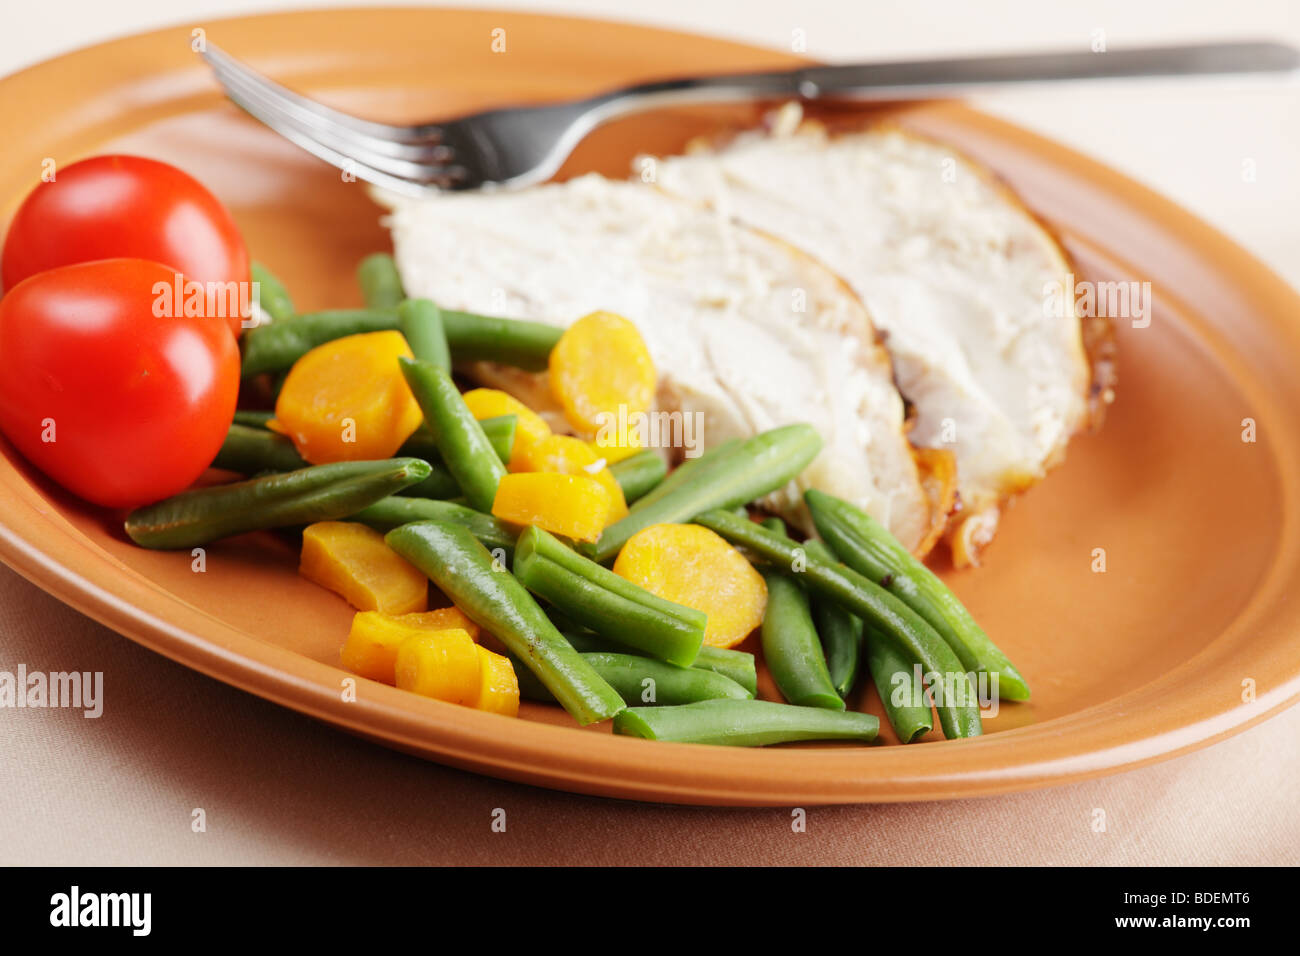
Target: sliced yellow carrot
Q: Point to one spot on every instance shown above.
(576, 506)
(615, 447)
(599, 366)
(371, 647)
(346, 400)
(352, 560)
(566, 455)
(529, 426)
(693, 566)
(440, 664)
(498, 689)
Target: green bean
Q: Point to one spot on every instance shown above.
(759, 465)
(421, 325)
(868, 548)
(959, 708)
(685, 470)
(274, 347)
(736, 665)
(596, 597)
(250, 451)
(317, 493)
(840, 631)
(500, 432)
(272, 296)
(255, 419)
(465, 450)
(389, 513)
(381, 284)
(744, 723)
(884, 660)
(790, 646)
(642, 680)
(518, 342)
(638, 474)
(464, 571)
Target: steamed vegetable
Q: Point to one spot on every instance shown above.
(491, 597)
(868, 548)
(464, 447)
(594, 596)
(744, 723)
(317, 493)
(959, 711)
(347, 400)
(271, 348)
(638, 474)
(641, 680)
(754, 468)
(601, 371)
(352, 561)
(576, 506)
(692, 566)
(371, 648)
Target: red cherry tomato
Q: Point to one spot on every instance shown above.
(108, 387)
(110, 207)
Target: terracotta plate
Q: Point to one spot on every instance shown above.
(1187, 636)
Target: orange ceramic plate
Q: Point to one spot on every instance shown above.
(1189, 634)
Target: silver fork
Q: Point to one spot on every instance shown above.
(520, 146)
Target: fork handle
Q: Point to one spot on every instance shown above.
(918, 78)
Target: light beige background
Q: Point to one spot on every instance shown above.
(278, 788)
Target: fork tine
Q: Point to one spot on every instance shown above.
(396, 158)
(292, 106)
(225, 64)
(398, 175)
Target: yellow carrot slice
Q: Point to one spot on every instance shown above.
(352, 560)
(498, 689)
(576, 506)
(371, 647)
(440, 664)
(529, 426)
(346, 400)
(599, 366)
(565, 455)
(694, 566)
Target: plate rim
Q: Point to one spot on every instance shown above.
(714, 775)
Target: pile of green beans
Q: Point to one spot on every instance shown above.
(464, 447)
(597, 598)
(643, 680)
(317, 493)
(867, 547)
(744, 723)
(749, 470)
(256, 418)
(639, 474)
(737, 665)
(959, 712)
(389, 513)
(491, 597)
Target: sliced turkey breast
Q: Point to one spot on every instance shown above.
(744, 330)
(953, 271)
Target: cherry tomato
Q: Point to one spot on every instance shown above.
(108, 387)
(110, 207)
